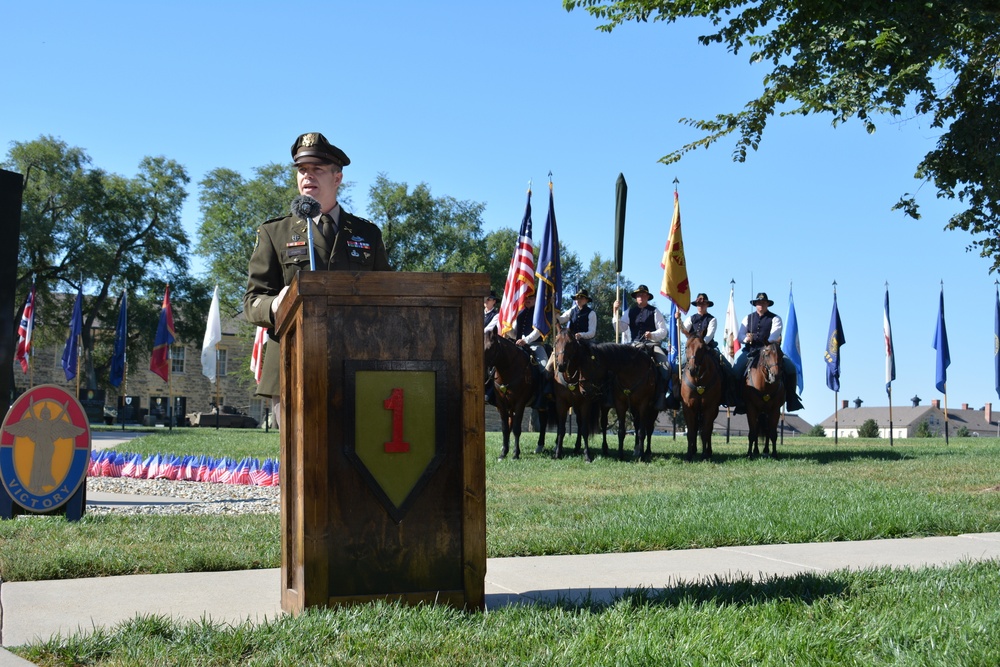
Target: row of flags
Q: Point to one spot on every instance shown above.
(246, 471)
(159, 362)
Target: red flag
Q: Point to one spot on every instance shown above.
(159, 363)
(24, 331)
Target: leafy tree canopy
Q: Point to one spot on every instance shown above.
(859, 59)
(85, 228)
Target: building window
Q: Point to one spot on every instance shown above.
(221, 370)
(177, 359)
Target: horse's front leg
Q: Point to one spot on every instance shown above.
(691, 419)
(517, 416)
(543, 426)
(505, 430)
(751, 432)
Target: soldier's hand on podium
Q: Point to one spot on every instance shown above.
(277, 300)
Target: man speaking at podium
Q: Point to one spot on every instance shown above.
(338, 240)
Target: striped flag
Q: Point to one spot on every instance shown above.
(257, 353)
(732, 344)
(520, 276)
(159, 362)
(890, 356)
(25, 329)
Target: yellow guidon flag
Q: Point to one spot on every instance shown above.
(675, 278)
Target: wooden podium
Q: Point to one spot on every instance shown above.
(383, 475)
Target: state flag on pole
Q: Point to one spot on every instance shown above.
(25, 329)
(890, 354)
(996, 343)
(675, 278)
(520, 276)
(72, 349)
(732, 344)
(790, 345)
(549, 274)
(121, 339)
(213, 336)
(941, 345)
(834, 340)
(159, 362)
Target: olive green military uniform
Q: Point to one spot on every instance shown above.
(282, 250)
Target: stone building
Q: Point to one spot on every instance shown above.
(188, 390)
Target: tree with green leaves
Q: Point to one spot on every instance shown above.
(868, 429)
(85, 228)
(232, 208)
(426, 233)
(859, 60)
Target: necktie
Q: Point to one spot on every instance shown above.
(329, 229)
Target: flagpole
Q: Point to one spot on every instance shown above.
(218, 389)
(836, 417)
(889, 390)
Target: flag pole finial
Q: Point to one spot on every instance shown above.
(834, 287)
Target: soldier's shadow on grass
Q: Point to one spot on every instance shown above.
(805, 588)
(791, 454)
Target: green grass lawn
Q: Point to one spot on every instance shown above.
(859, 489)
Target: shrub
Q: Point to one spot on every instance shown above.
(869, 429)
(963, 431)
(817, 431)
(923, 430)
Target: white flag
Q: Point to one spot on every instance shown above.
(257, 353)
(729, 333)
(213, 335)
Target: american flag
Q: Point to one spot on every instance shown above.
(24, 331)
(520, 276)
(257, 354)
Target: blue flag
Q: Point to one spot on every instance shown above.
(833, 342)
(549, 273)
(72, 349)
(996, 342)
(941, 345)
(790, 344)
(121, 336)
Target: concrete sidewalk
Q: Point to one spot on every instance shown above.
(38, 610)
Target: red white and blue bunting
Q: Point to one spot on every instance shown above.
(248, 471)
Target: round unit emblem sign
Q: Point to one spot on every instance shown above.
(44, 448)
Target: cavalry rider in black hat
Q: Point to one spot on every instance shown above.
(581, 317)
(644, 322)
(490, 310)
(703, 324)
(757, 330)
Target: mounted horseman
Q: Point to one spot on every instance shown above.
(704, 325)
(757, 330)
(643, 323)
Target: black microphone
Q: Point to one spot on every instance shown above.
(305, 207)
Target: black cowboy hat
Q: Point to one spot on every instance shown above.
(584, 294)
(492, 295)
(762, 296)
(641, 289)
(702, 299)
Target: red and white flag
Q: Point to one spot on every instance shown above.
(257, 353)
(520, 276)
(24, 331)
(732, 345)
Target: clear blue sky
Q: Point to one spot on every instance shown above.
(475, 99)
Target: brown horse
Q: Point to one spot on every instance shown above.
(630, 376)
(764, 394)
(516, 378)
(579, 385)
(701, 394)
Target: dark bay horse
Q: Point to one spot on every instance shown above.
(630, 376)
(701, 394)
(764, 394)
(516, 378)
(579, 384)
